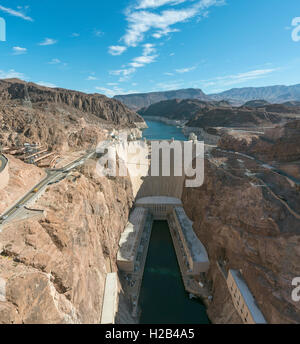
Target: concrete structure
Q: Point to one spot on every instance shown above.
(130, 240)
(110, 299)
(4, 172)
(195, 252)
(243, 299)
(160, 207)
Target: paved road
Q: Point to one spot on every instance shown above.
(3, 162)
(53, 176)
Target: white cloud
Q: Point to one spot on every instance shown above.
(75, 34)
(116, 50)
(238, 78)
(141, 22)
(137, 62)
(168, 86)
(15, 13)
(19, 50)
(91, 78)
(143, 4)
(46, 84)
(48, 41)
(55, 61)
(185, 70)
(98, 33)
(11, 74)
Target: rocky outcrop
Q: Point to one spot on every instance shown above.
(279, 144)
(203, 114)
(141, 100)
(53, 270)
(251, 228)
(104, 108)
(59, 119)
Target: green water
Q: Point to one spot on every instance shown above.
(161, 131)
(163, 299)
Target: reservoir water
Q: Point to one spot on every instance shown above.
(161, 131)
(163, 299)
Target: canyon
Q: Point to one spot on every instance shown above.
(53, 267)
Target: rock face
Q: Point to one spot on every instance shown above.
(279, 144)
(94, 104)
(249, 228)
(53, 270)
(178, 109)
(23, 177)
(141, 100)
(58, 118)
(218, 114)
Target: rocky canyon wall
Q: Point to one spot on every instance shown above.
(244, 226)
(53, 270)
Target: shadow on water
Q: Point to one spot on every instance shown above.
(163, 299)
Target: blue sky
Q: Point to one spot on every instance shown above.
(128, 46)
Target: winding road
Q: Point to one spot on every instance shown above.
(53, 176)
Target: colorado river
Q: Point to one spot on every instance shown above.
(161, 131)
(163, 299)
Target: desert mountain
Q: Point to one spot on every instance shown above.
(237, 96)
(58, 118)
(141, 100)
(220, 114)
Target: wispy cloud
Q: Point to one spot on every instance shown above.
(91, 78)
(110, 92)
(143, 4)
(15, 13)
(11, 74)
(55, 61)
(48, 41)
(19, 50)
(238, 78)
(46, 84)
(185, 70)
(148, 56)
(98, 33)
(172, 85)
(161, 24)
(116, 50)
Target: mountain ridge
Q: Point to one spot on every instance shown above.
(237, 96)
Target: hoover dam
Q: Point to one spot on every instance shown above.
(159, 252)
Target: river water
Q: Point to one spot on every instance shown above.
(163, 298)
(161, 131)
